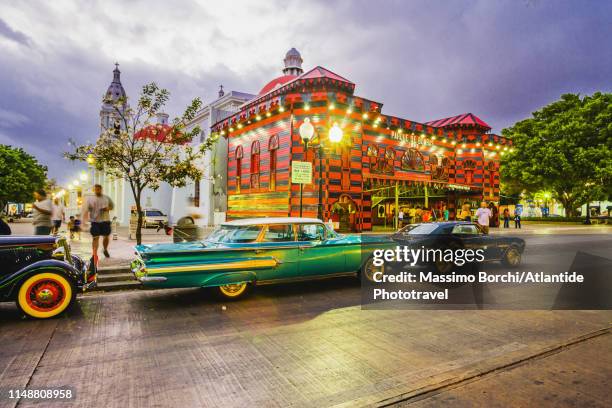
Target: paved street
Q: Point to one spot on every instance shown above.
(310, 344)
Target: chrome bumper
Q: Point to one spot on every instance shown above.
(139, 270)
(146, 279)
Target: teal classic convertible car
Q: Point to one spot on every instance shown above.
(247, 252)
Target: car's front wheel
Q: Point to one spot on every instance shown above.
(512, 257)
(233, 291)
(45, 295)
(369, 269)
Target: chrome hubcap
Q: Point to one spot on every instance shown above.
(44, 295)
(233, 288)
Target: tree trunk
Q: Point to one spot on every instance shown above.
(139, 218)
(568, 205)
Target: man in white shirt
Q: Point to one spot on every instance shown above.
(41, 213)
(57, 216)
(483, 214)
(97, 209)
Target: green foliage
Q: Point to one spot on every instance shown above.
(143, 153)
(565, 148)
(20, 175)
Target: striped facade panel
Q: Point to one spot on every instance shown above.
(272, 204)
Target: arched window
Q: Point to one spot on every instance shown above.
(444, 169)
(433, 163)
(413, 160)
(255, 168)
(373, 155)
(389, 160)
(239, 154)
(468, 168)
(273, 148)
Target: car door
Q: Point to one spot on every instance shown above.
(278, 241)
(474, 238)
(317, 254)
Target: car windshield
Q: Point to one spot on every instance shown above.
(233, 234)
(421, 229)
(154, 213)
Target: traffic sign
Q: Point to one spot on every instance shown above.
(301, 172)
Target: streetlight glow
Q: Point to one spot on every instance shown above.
(335, 133)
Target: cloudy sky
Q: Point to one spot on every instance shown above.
(423, 59)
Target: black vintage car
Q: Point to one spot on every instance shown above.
(41, 275)
(462, 235)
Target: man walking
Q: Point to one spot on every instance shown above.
(57, 216)
(41, 213)
(97, 209)
(483, 215)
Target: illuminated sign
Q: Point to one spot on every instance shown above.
(411, 139)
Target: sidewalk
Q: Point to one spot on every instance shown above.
(121, 249)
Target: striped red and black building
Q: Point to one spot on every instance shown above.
(380, 162)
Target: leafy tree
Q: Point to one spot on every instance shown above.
(20, 175)
(146, 154)
(565, 148)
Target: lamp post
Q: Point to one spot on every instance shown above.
(307, 134)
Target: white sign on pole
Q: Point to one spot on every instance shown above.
(301, 172)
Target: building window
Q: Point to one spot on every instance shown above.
(255, 168)
(413, 160)
(239, 154)
(468, 168)
(273, 148)
(445, 169)
(433, 163)
(389, 160)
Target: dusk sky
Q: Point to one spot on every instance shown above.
(423, 60)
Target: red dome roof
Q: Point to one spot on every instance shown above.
(276, 82)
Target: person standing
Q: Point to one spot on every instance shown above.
(506, 218)
(412, 214)
(483, 215)
(41, 213)
(418, 214)
(517, 219)
(400, 217)
(4, 227)
(57, 216)
(97, 209)
(494, 221)
(466, 211)
(445, 213)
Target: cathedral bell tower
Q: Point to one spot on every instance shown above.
(114, 92)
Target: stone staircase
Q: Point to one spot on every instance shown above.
(112, 278)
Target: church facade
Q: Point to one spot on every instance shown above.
(380, 165)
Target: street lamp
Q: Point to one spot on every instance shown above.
(307, 134)
(335, 133)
